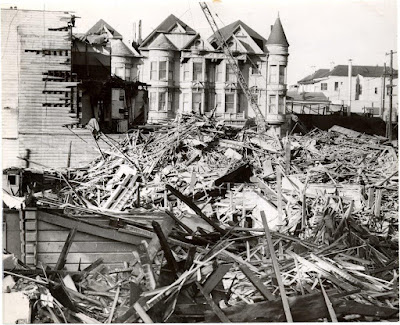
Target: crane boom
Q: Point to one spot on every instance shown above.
(260, 121)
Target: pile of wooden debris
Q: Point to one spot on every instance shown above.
(303, 228)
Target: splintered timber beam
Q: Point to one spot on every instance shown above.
(257, 283)
(173, 265)
(220, 314)
(275, 264)
(63, 255)
(215, 278)
(195, 208)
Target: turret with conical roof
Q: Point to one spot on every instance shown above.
(277, 47)
(277, 36)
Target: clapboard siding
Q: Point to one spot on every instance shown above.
(44, 241)
(53, 149)
(32, 48)
(10, 151)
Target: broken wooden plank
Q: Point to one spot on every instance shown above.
(64, 252)
(195, 208)
(215, 277)
(276, 269)
(173, 265)
(257, 283)
(213, 305)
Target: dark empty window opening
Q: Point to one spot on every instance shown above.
(336, 86)
(12, 179)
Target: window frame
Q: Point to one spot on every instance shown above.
(273, 74)
(153, 70)
(255, 70)
(197, 73)
(233, 108)
(197, 95)
(153, 105)
(162, 70)
(272, 109)
(336, 86)
(162, 95)
(282, 74)
(230, 74)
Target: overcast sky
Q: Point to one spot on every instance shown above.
(319, 31)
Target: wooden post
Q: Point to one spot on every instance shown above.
(138, 196)
(378, 199)
(287, 155)
(69, 155)
(279, 193)
(304, 210)
(370, 197)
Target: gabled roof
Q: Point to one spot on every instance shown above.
(166, 26)
(206, 46)
(277, 36)
(363, 70)
(230, 29)
(162, 43)
(170, 22)
(101, 26)
(119, 48)
(321, 73)
(343, 71)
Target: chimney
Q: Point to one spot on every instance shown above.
(332, 65)
(139, 39)
(350, 77)
(134, 32)
(272, 26)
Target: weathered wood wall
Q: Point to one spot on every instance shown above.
(38, 90)
(45, 234)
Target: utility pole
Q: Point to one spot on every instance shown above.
(350, 77)
(383, 90)
(389, 134)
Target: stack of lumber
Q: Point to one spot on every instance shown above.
(303, 228)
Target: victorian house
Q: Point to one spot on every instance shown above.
(188, 73)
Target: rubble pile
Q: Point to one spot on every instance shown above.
(302, 228)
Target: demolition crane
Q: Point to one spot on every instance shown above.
(260, 121)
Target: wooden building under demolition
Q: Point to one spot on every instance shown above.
(53, 82)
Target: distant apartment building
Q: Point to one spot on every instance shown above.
(187, 73)
(369, 88)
